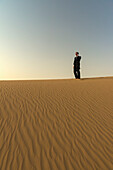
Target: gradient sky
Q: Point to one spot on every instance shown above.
(38, 38)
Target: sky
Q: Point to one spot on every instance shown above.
(39, 38)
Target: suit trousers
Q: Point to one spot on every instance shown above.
(77, 74)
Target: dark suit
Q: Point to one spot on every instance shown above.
(77, 67)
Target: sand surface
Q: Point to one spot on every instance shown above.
(56, 124)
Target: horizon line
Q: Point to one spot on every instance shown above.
(68, 78)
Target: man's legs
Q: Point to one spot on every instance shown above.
(77, 74)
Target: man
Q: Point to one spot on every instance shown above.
(77, 65)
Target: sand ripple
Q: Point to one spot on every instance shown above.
(56, 125)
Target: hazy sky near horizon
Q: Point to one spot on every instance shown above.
(38, 38)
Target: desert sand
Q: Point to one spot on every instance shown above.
(56, 124)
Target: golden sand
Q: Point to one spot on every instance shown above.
(56, 124)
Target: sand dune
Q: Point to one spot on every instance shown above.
(56, 124)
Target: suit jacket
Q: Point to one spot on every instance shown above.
(77, 62)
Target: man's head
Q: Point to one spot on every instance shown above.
(76, 53)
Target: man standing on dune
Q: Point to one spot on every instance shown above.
(76, 65)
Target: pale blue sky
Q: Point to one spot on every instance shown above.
(38, 38)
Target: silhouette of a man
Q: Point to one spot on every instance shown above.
(76, 65)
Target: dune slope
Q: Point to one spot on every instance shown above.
(56, 124)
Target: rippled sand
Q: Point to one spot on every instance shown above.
(56, 124)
